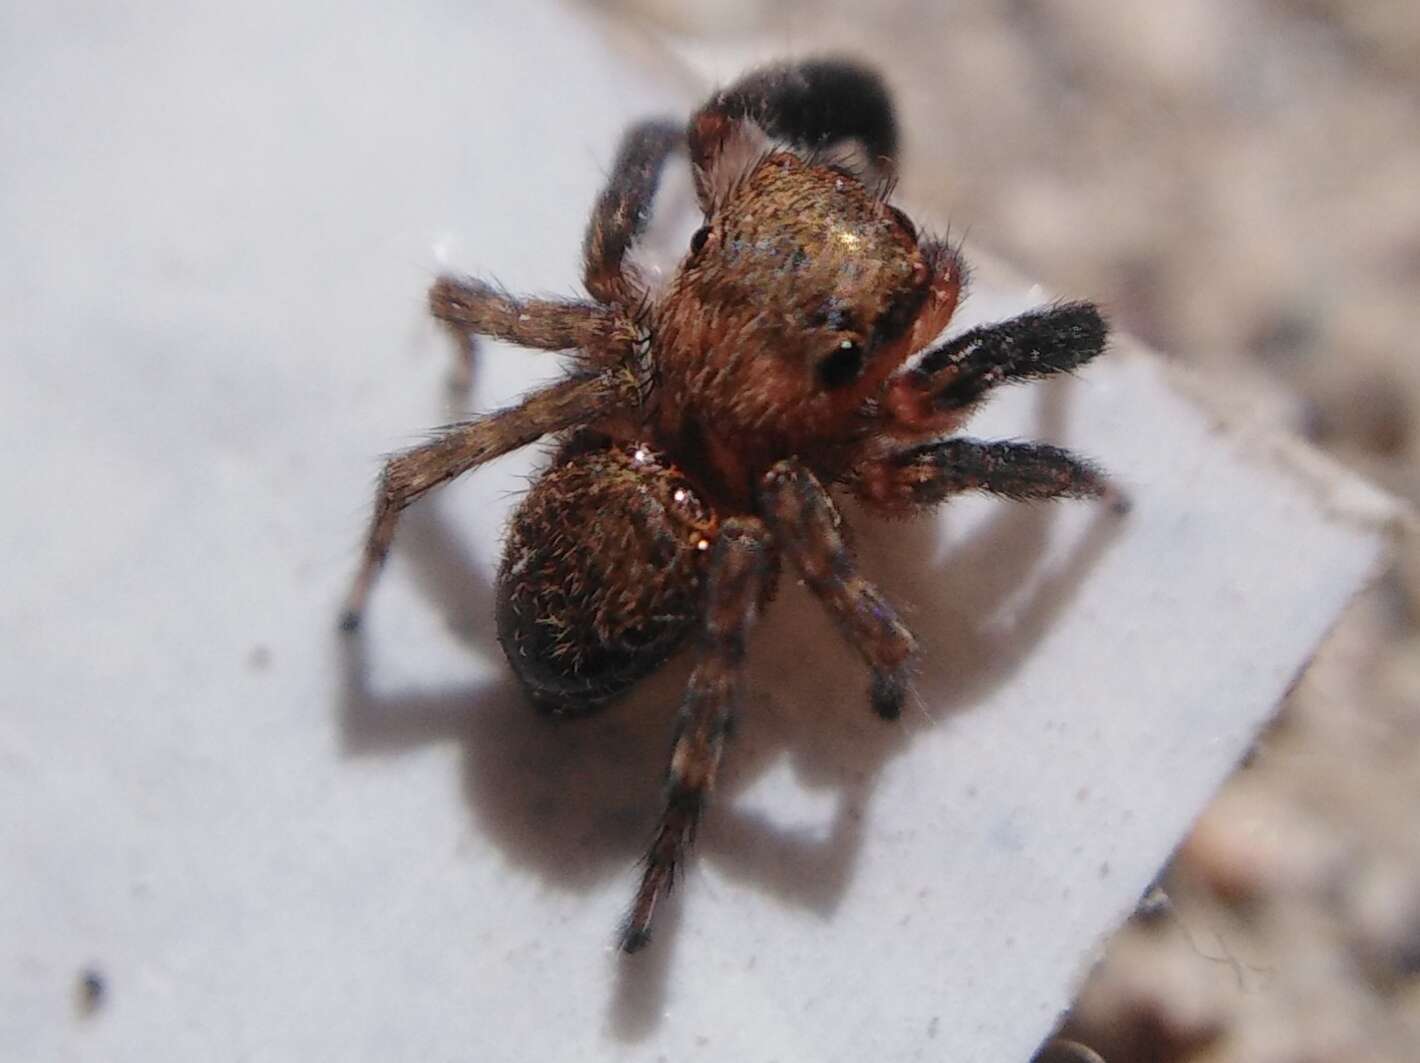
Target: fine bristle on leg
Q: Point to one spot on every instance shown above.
(737, 578)
(920, 477)
(470, 305)
(957, 375)
(623, 210)
(461, 447)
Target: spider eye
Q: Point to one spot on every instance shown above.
(842, 366)
(698, 240)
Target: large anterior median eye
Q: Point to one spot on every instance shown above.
(842, 365)
(698, 240)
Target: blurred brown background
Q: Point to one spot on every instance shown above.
(1238, 181)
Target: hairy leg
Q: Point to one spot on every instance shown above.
(624, 209)
(936, 394)
(469, 305)
(814, 105)
(460, 447)
(806, 525)
(738, 571)
(914, 479)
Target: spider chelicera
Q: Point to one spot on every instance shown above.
(703, 425)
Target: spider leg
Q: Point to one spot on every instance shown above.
(916, 478)
(806, 526)
(470, 305)
(458, 448)
(623, 210)
(936, 394)
(813, 105)
(738, 572)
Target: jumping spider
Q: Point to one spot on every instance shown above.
(703, 426)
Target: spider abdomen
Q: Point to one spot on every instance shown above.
(602, 575)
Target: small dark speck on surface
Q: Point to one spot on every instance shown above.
(701, 1040)
(259, 659)
(90, 992)
(1153, 907)
(933, 1026)
(1104, 869)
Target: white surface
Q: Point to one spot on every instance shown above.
(215, 233)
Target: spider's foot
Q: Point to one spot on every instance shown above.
(635, 938)
(887, 692)
(350, 620)
(459, 300)
(657, 881)
(444, 296)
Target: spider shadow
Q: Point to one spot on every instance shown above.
(574, 801)
(978, 611)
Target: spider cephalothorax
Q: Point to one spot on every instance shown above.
(797, 300)
(705, 424)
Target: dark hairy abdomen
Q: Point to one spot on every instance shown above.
(602, 574)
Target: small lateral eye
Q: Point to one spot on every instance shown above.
(698, 240)
(841, 367)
